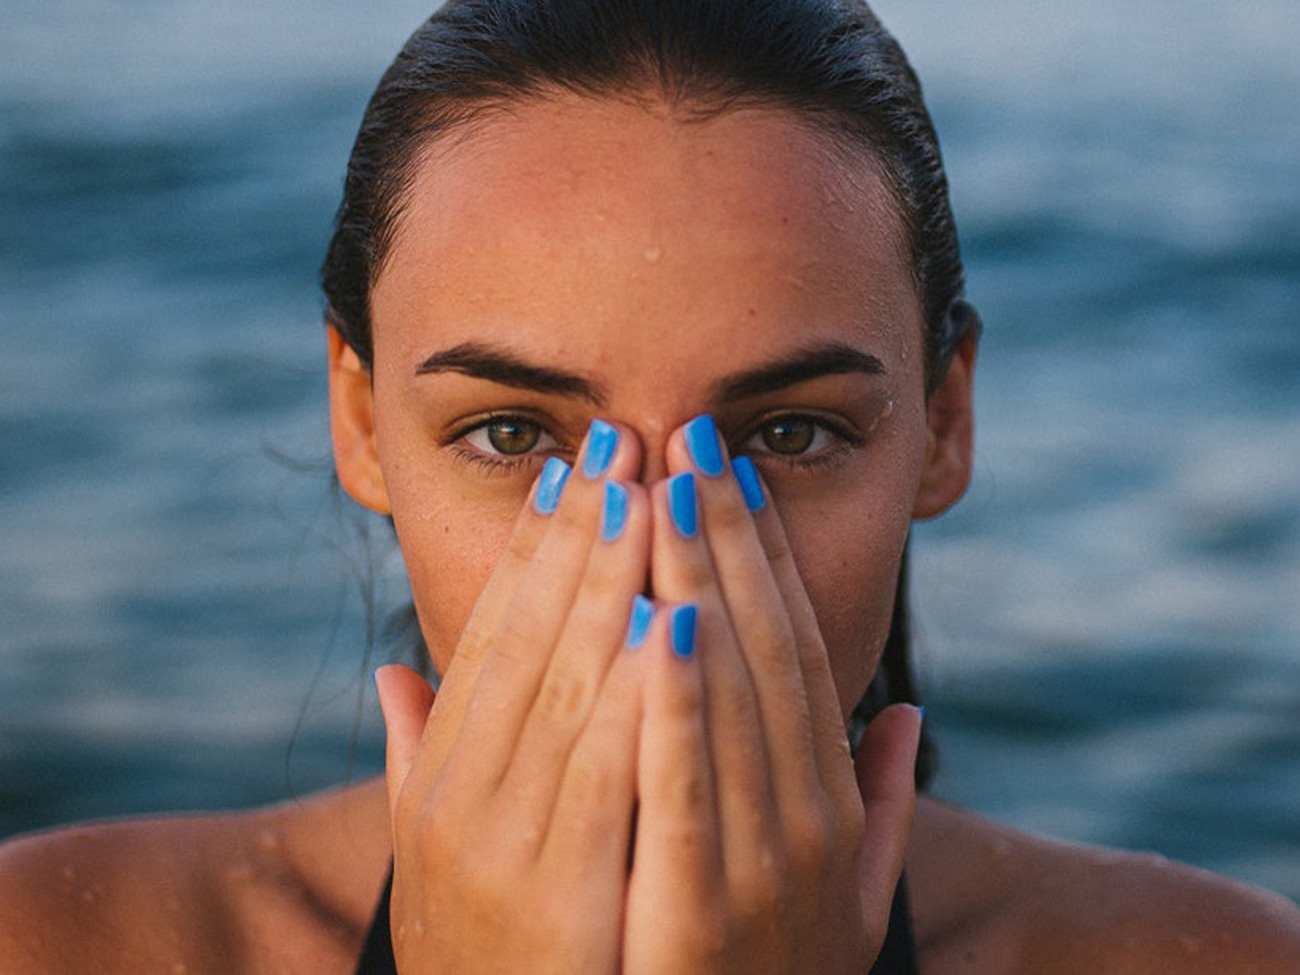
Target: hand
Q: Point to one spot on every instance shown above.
(512, 803)
(755, 851)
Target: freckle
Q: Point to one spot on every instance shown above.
(653, 254)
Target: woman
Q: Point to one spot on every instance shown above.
(646, 330)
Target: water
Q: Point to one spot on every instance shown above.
(1109, 622)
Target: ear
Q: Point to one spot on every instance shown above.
(949, 451)
(352, 426)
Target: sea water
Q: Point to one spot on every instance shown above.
(1108, 625)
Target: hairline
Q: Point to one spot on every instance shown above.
(847, 144)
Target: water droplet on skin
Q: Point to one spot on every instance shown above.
(69, 872)
(1189, 945)
(241, 873)
(179, 968)
(268, 839)
(419, 929)
(653, 254)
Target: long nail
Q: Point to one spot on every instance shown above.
(750, 486)
(614, 515)
(683, 630)
(682, 504)
(638, 626)
(602, 441)
(550, 485)
(702, 444)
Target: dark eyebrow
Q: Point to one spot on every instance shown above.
(811, 362)
(495, 365)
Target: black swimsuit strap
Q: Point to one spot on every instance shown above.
(897, 956)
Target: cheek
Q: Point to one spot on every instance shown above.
(851, 575)
(450, 549)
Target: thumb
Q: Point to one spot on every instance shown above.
(886, 772)
(405, 700)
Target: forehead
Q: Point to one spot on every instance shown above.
(612, 204)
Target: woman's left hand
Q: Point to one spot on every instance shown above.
(758, 848)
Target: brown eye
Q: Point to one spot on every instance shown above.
(789, 435)
(512, 436)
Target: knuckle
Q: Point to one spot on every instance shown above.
(811, 840)
(565, 697)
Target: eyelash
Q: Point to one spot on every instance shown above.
(499, 463)
(833, 453)
(808, 460)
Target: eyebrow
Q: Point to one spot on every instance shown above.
(803, 365)
(498, 366)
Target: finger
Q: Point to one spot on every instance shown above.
(510, 676)
(405, 700)
(755, 604)
(677, 859)
(590, 641)
(592, 818)
(683, 572)
(458, 682)
(886, 777)
(826, 722)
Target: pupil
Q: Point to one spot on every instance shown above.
(513, 437)
(788, 436)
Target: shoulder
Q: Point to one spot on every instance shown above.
(284, 888)
(988, 898)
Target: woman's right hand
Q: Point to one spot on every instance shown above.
(512, 797)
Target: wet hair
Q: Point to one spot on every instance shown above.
(828, 62)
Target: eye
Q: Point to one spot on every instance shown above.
(509, 437)
(790, 436)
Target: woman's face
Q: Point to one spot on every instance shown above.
(575, 257)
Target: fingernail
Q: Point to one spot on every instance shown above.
(702, 444)
(747, 478)
(550, 485)
(681, 504)
(602, 441)
(614, 515)
(643, 611)
(684, 619)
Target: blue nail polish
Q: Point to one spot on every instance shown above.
(750, 486)
(550, 485)
(921, 708)
(638, 627)
(682, 505)
(702, 443)
(602, 441)
(684, 620)
(614, 515)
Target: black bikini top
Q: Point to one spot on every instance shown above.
(897, 957)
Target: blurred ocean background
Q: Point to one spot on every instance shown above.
(1109, 624)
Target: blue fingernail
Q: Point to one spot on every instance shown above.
(614, 515)
(921, 708)
(643, 611)
(550, 485)
(602, 441)
(681, 504)
(702, 443)
(750, 486)
(684, 619)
